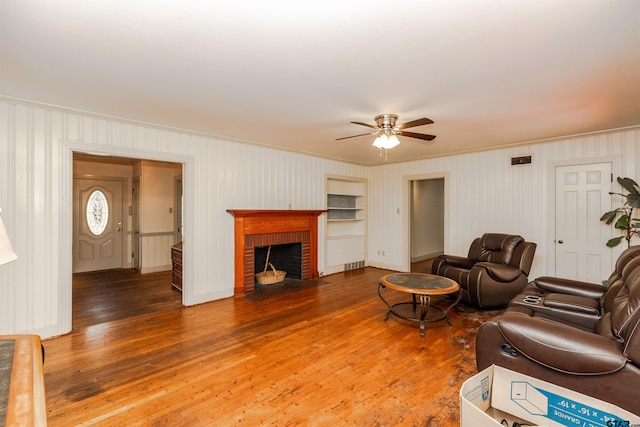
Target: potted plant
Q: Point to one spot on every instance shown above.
(625, 222)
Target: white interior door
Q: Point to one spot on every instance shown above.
(582, 196)
(97, 225)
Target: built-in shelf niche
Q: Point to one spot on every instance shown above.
(346, 223)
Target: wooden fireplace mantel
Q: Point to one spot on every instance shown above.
(248, 222)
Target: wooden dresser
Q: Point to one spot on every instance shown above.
(176, 261)
(22, 399)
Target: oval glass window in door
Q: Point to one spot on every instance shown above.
(97, 212)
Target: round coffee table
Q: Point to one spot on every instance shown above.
(421, 286)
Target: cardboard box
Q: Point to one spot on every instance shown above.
(497, 393)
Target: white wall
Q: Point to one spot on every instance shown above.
(486, 194)
(36, 146)
(157, 214)
(157, 196)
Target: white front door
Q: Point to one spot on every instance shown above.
(97, 225)
(582, 196)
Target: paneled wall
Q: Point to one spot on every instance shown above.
(36, 146)
(155, 252)
(485, 194)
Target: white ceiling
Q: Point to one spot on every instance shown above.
(293, 74)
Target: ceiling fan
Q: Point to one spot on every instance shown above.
(387, 131)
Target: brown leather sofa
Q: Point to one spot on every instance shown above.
(574, 302)
(603, 362)
(494, 271)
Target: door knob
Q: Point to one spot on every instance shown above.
(561, 241)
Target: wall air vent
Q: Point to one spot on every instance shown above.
(353, 265)
(520, 160)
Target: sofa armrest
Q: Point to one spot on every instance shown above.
(570, 287)
(500, 272)
(561, 347)
(457, 261)
(574, 303)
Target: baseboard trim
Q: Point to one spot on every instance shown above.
(426, 256)
(155, 269)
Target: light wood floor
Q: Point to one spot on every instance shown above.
(321, 356)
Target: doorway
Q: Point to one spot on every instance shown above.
(426, 221)
(135, 219)
(109, 193)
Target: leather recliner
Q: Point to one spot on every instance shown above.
(494, 271)
(603, 362)
(575, 302)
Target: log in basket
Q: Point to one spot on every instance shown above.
(270, 277)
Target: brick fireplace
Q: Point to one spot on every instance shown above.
(258, 228)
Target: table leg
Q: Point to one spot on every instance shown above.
(380, 286)
(425, 303)
(446, 311)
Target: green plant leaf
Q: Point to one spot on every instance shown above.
(625, 222)
(614, 242)
(609, 216)
(634, 200)
(628, 184)
(622, 222)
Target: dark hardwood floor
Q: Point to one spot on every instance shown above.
(120, 294)
(321, 356)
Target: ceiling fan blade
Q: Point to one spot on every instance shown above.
(365, 124)
(353, 136)
(414, 123)
(418, 135)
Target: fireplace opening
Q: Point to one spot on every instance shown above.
(285, 257)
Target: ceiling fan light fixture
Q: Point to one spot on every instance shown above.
(393, 142)
(387, 130)
(386, 141)
(381, 141)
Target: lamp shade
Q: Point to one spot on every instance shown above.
(6, 251)
(386, 141)
(381, 141)
(393, 142)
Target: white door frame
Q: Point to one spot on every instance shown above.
(178, 208)
(550, 247)
(406, 202)
(66, 217)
